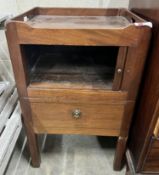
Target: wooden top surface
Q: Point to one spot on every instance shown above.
(78, 22)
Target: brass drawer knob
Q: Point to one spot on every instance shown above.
(76, 114)
(119, 70)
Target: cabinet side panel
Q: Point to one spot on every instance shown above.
(144, 118)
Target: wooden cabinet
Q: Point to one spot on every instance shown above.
(78, 71)
(143, 154)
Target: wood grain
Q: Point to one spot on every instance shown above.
(77, 96)
(47, 108)
(59, 116)
(76, 35)
(134, 65)
(146, 114)
(152, 160)
(120, 65)
(120, 151)
(19, 68)
(86, 37)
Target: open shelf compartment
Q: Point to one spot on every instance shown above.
(72, 67)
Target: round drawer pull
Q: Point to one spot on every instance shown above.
(119, 70)
(76, 114)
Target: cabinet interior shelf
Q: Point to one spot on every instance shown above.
(75, 67)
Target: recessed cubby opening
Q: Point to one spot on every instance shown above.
(76, 67)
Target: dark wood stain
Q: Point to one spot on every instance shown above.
(147, 112)
(106, 99)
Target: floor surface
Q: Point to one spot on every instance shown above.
(67, 155)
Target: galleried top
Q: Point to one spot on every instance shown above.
(79, 26)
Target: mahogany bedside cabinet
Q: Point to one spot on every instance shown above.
(78, 71)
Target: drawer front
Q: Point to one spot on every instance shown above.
(76, 96)
(77, 118)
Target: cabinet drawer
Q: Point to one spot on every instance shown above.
(93, 119)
